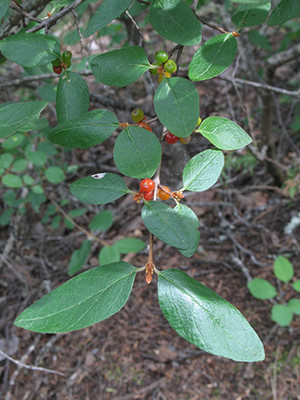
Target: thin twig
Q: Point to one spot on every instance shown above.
(212, 26)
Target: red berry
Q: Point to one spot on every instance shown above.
(147, 185)
(57, 70)
(170, 138)
(148, 196)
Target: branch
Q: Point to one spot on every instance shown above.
(283, 57)
(47, 23)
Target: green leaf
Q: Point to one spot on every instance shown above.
(254, 2)
(12, 181)
(137, 152)
(130, 245)
(84, 300)
(55, 175)
(261, 289)
(47, 92)
(224, 134)
(30, 49)
(205, 319)
(281, 314)
(108, 10)
(283, 269)
(191, 223)
(259, 40)
(72, 97)
(87, 131)
(19, 165)
(250, 15)
(296, 285)
(37, 157)
(166, 224)
(100, 188)
(79, 257)
(175, 21)
(176, 104)
(15, 116)
(5, 160)
(3, 8)
(120, 67)
(213, 57)
(203, 170)
(284, 11)
(102, 221)
(109, 254)
(78, 212)
(294, 306)
(13, 141)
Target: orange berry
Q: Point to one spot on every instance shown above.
(163, 193)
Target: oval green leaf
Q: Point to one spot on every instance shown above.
(72, 97)
(284, 11)
(109, 254)
(99, 188)
(224, 134)
(79, 257)
(283, 269)
(12, 181)
(250, 15)
(261, 289)
(137, 152)
(120, 67)
(203, 170)
(30, 49)
(130, 245)
(191, 223)
(294, 306)
(205, 319)
(213, 57)
(102, 221)
(176, 104)
(296, 285)
(175, 21)
(15, 116)
(166, 224)
(84, 300)
(108, 10)
(87, 131)
(55, 175)
(282, 314)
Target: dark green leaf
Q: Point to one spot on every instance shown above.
(109, 254)
(176, 103)
(191, 223)
(130, 245)
(84, 300)
(37, 157)
(120, 67)
(30, 49)
(15, 116)
(213, 57)
(55, 175)
(175, 21)
(205, 319)
(281, 314)
(108, 10)
(79, 257)
(87, 131)
(102, 221)
(3, 8)
(284, 11)
(224, 134)
(203, 170)
(72, 97)
(137, 152)
(250, 15)
(166, 224)
(283, 269)
(99, 188)
(261, 289)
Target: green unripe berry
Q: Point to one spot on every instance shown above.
(56, 62)
(137, 115)
(66, 56)
(170, 66)
(161, 56)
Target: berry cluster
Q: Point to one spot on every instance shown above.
(138, 116)
(63, 62)
(163, 66)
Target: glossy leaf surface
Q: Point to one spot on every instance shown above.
(175, 21)
(15, 116)
(30, 49)
(84, 300)
(213, 57)
(203, 170)
(205, 319)
(72, 97)
(176, 103)
(86, 131)
(137, 152)
(100, 188)
(224, 134)
(120, 67)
